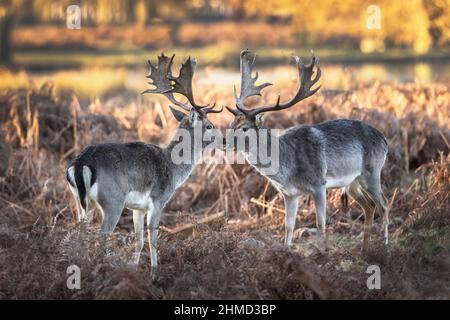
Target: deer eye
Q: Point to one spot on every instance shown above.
(209, 127)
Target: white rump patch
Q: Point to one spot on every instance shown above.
(93, 192)
(71, 175)
(87, 176)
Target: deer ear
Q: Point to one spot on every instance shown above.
(259, 119)
(177, 114)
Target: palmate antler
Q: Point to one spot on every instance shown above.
(160, 76)
(248, 87)
(166, 84)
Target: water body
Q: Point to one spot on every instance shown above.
(334, 76)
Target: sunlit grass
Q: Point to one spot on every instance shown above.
(90, 83)
(13, 81)
(86, 83)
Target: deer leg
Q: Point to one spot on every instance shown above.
(291, 206)
(138, 221)
(368, 223)
(374, 188)
(90, 209)
(111, 211)
(364, 199)
(320, 202)
(80, 211)
(153, 218)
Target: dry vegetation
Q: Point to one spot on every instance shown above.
(238, 254)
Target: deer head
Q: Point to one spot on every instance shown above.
(166, 84)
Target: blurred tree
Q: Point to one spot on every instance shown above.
(141, 10)
(48, 11)
(238, 9)
(173, 12)
(419, 25)
(107, 12)
(152, 10)
(9, 11)
(438, 12)
(406, 25)
(338, 22)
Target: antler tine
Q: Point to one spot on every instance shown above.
(305, 73)
(160, 76)
(248, 87)
(304, 90)
(235, 112)
(183, 83)
(211, 109)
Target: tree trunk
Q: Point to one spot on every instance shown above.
(152, 11)
(6, 27)
(174, 28)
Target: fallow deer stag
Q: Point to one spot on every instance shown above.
(140, 176)
(313, 158)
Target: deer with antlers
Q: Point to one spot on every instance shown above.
(140, 176)
(313, 158)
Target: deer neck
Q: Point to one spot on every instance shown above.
(184, 152)
(264, 154)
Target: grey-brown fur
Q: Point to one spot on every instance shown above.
(134, 166)
(139, 176)
(313, 158)
(315, 152)
(135, 175)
